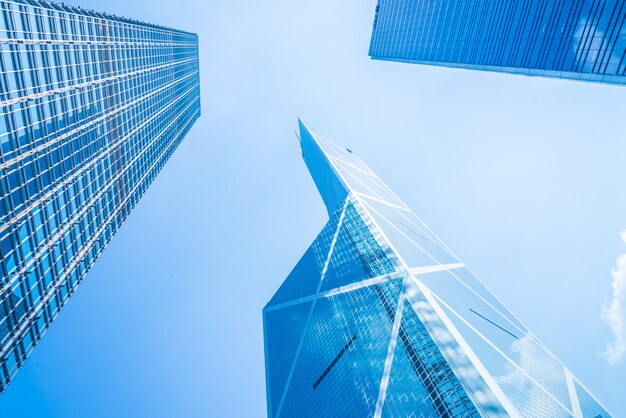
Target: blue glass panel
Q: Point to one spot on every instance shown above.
(472, 282)
(302, 281)
(339, 369)
(474, 302)
(588, 405)
(445, 391)
(406, 391)
(357, 255)
(522, 391)
(406, 246)
(283, 332)
(415, 243)
(580, 39)
(513, 342)
(362, 183)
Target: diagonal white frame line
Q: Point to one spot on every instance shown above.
(393, 341)
(331, 144)
(465, 347)
(377, 199)
(540, 386)
(442, 245)
(423, 225)
(365, 167)
(386, 241)
(336, 151)
(405, 235)
(375, 193)
(579, 383)
(523, 331)
(474, 359)
(344, 162)
(308, 319)
(529, 333)
(423, 228)
(578, 413)
(366, 207)
(432, 269)
(384, 278)
(403, 265)
(347, 171)
(362, 284)
(379, 187)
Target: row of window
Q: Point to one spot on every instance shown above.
(47, 120)
(31, 69)
(24, 21)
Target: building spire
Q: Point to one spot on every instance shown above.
(326, 177)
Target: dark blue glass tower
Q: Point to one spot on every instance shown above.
(380, 318)
(574, 39)
(91, 108)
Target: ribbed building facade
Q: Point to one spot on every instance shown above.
(574, 39)
(91, 108)
(380, 318)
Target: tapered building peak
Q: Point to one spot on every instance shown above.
(380, 318)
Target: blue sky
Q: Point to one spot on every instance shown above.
(523, 179)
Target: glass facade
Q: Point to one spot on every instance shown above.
(379, 318)
(91, 108)
(574, 39)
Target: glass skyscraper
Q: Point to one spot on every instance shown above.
(574, 39)
(380, 318)
(91, 108)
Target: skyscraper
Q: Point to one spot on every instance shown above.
(380, 318)
(577, 39)
(92, 106)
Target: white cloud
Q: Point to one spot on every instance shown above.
(614, 313)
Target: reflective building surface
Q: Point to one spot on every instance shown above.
(380, 318)
(574, 39)
(91, 108)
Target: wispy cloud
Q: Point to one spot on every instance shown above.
(614, 313)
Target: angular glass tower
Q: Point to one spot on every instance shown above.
(574, 39)
(91, 108)
(380, 318)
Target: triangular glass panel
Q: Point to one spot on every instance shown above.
(305, 277)
(588, 405)
(521, 388)
(468, 279)
(356, 255)
(362, 183)
(416, 246)
(339, 369)
(516, 344)
(406, 391)
(478, 308)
